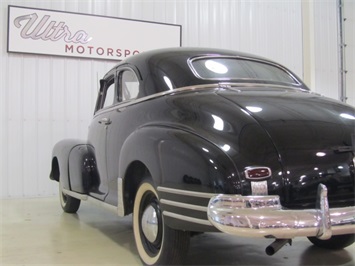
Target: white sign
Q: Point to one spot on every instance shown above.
(40, 31)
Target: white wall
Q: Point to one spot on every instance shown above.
(349, 32)
(45, 99)
(321, 46)
(326, 48)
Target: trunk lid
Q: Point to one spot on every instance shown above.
(315, 139)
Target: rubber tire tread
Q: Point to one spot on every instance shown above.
(335, 242)
(177, 247)
(72, 205)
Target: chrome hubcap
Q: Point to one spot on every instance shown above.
(150, 223)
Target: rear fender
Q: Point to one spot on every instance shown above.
(83, 172)
(178, 159)
(73, 162)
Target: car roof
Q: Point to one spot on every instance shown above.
(155, 66)
(186, 52)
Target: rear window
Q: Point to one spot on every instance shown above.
(224, 69)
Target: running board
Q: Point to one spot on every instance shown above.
(90, 199)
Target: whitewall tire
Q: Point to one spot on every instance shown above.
(157, 243)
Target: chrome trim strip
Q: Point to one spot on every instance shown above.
(120, 201)
(184, 205)
(217, 85)
(258, 60)
(122, 105)
(186, 192)
(75, 194)
(91, 200)
(229, 85)
(187, 218)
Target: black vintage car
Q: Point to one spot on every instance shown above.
(197, 140)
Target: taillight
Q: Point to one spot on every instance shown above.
(257, 173)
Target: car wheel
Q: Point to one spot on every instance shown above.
(157, 243)
(335, 242)
(68, 203)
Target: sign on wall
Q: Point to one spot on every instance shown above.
(40, 31)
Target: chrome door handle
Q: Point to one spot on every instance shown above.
(105, 121)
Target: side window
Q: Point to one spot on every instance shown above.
(129, 85)
(109, 97)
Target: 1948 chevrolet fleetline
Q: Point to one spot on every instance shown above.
(199, 140)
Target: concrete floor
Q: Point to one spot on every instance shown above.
(37, 232)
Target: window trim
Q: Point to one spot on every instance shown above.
(206, 57)
(103, 92)
(119, 74)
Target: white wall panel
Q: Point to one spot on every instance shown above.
(349, 32)
(326, 42)
(326, 73)
(45, 99)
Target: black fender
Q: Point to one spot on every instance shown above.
(177, 158)
(73, 161)
(180, 160)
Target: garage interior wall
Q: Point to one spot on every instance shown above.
(349, 38)
(326, 41)
(45, 99)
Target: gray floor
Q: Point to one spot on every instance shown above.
(37, 232)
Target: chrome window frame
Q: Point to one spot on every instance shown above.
(206, 57)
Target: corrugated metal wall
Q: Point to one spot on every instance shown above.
(45, 99)
(349, 32)
(326, 48)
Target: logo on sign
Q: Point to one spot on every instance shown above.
(39, 29)
(53, 31)
(50, 32)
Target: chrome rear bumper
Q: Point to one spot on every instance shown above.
(264, 216)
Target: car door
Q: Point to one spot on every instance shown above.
(123, 124)
(97, 137)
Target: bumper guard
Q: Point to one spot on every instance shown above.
(264, 216)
